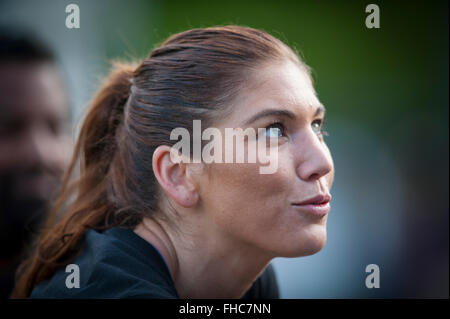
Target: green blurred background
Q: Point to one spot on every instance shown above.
(386, 93)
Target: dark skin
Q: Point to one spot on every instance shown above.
(35, 148)
(33, 127)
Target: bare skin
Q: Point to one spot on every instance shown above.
(35, 146)
(232, 220)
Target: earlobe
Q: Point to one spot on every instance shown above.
(190, 199)
(172, 176)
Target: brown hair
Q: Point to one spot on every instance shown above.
(195, 74)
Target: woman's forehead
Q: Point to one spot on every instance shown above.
(285, 86)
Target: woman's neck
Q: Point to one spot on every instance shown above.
(201, 264)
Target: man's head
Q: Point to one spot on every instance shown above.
(34, 145)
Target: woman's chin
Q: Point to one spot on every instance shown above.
(306, 245)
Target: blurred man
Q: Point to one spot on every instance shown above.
(34, 144)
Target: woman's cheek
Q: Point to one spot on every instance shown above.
(242, 187)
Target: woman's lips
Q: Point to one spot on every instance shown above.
(319, 210)
(318, 205)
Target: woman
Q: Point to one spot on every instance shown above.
(140, 224)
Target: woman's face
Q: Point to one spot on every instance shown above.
(259, 210)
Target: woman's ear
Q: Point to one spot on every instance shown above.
(173, 178)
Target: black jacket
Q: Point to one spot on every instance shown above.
(117, 263)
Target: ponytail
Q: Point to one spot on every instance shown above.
(61, 240)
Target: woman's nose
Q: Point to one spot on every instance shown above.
(313, 157)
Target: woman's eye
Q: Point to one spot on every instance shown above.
(275, 130)
(317, 127)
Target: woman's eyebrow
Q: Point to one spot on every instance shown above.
(277, 112)
(320, 109)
